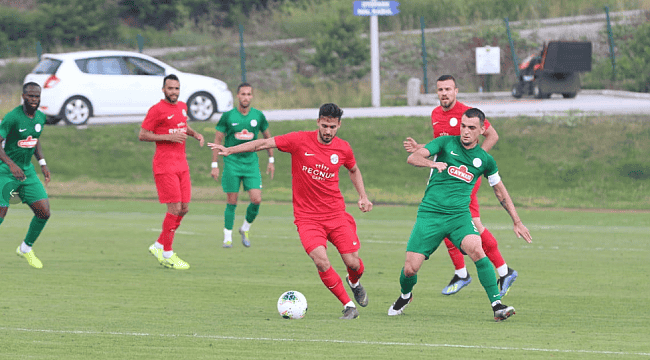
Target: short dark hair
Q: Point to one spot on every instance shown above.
(28, 85)
(447, 77)
(170, 77)
(475, 113)
(330, 110)
(244, 84)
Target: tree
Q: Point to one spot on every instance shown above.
(159, 14)
(76, 22)
(338, 44)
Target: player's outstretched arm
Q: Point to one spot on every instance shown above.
(251, 146)
(411, 145)
(218, 139)
(357, 180)
(505, 200)
(270, 168)
(146, 135)
(420, 158)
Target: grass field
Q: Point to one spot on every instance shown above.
(582, 292)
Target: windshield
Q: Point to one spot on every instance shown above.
(47, 66)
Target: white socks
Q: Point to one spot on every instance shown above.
(503, 270)
(462, 273)
(246, 226)
(158, 245)
(227, 236)
(167, 254)
(24, 248)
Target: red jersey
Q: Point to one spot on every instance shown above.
(315, 173)
(448, 122)
(167, 118)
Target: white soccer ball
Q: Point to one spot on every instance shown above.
(292, 305)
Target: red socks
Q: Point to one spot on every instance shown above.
(455, 254)
(333, 282)
(169, 226)
(491, 248)
(355, 275)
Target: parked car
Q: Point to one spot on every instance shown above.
(79, 85)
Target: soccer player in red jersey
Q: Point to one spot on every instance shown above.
(445, 120)
(318, 205)
(166, 125)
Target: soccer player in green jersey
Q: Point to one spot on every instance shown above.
(238, 126)
(444, 210)
(20, 130)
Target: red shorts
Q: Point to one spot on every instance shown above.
(341, 231)
(173, 187)
(473, 201)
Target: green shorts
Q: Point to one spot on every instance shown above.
(30, 190)
(235, 174)
(431, 228)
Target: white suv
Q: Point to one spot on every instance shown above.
(79, 85)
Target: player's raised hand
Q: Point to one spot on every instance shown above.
(411, 145)
(522, 231)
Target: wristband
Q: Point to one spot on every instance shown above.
(215, 165)
(271, 160)
(42, 162)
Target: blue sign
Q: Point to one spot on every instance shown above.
(376, 8)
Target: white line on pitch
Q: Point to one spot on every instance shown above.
(384, 343)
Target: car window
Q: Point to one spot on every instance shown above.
(103, 66)
(47, 66)
(137, 66)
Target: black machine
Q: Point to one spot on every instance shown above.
(554, 70)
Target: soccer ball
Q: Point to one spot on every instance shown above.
(292, 305)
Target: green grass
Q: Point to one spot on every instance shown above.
(581, 294)
(568, 162)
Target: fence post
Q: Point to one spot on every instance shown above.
(140, 40)
(242, 53)
(39, 50)
(611, 43)
(512, 48)
(424, 58)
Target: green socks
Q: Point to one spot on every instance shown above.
(229, 216)
(35, 228)
(488, 279)
(407, 283)
(251, 212)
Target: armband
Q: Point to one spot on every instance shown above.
(215, 165)
(271, 160)
(42, 162)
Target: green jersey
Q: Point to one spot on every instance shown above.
(239, 129)
(449, 192)
(20, 134)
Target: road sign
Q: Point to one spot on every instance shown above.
(375, 8)
(488, 60)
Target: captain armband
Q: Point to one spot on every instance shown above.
(494, 179)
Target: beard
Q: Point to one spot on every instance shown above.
(31, 109)
(326, 140)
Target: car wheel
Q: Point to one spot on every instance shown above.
(76, 111)
(52, 120)
(537, 92)
(570, 95)
(201, 106)
(517, 91)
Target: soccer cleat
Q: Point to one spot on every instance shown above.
(227, 244)
(244, 238)
(456, 284)
(175, 262)
(359, 292)
(502, 312)
(32, 260)
(157, 253)
(349, 313)
(399, 305)
(506, 281)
